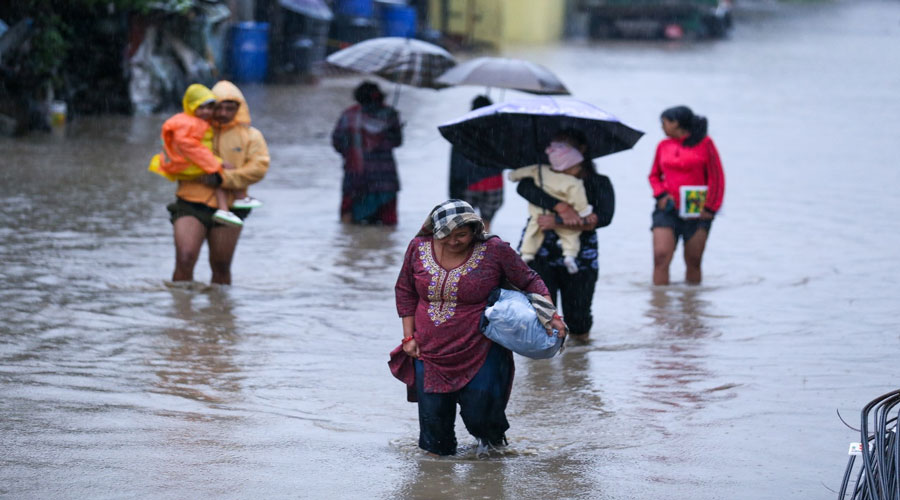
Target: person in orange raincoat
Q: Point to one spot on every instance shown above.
(187, 140)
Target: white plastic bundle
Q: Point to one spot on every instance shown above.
(513, 323)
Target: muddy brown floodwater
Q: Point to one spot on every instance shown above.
(114, 385)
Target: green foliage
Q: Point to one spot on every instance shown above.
(49, 47)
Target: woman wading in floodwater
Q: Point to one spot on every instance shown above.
(450, 268)
(687, 157)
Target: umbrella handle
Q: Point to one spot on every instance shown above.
(396, 95)
(538, 146)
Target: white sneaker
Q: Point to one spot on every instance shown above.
(227, 218)
(571, 265)
(247, 202)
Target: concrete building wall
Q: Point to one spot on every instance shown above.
(499, 22)
(533, 21)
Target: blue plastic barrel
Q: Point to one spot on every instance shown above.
(249, 51)
(355, 8)
(398, 20)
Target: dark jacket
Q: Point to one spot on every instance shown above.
(464, 172)
(600, 194)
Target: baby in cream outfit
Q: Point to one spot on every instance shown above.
(559, 180)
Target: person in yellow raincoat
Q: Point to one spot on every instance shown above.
(239, 145)
(187, 139)
(187, 149)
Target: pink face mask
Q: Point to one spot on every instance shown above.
(562, 156)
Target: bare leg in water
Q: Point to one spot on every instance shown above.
(663, 250)
(189, 236)
(222, 244)
(693, 256)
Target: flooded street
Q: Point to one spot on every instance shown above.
(115, 385)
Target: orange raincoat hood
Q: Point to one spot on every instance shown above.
(187, 141)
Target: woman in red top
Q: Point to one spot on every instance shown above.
(449, 270)
(687, 157)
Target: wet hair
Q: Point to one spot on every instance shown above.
(578, 139)
(481, 101)
(477, 228)
(695, 125)
(367, 93)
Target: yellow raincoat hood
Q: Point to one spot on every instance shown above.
(195, 96)
(227, 91)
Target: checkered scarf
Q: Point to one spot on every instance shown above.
(450, 215)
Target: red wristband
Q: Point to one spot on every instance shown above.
(556, 316)
(407, 339)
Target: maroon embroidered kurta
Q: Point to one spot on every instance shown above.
(447, 305)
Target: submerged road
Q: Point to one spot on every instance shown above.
(115, 385)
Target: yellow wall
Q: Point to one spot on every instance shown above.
(533, 21)
(502, 21)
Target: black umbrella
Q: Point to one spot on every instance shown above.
(514, 134)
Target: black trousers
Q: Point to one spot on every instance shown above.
(482, 405)
(575, 290)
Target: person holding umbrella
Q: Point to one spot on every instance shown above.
(687, 158)
(560, 180)
(575, 290)
(516, 134)
(480, 186)
(366, 135)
